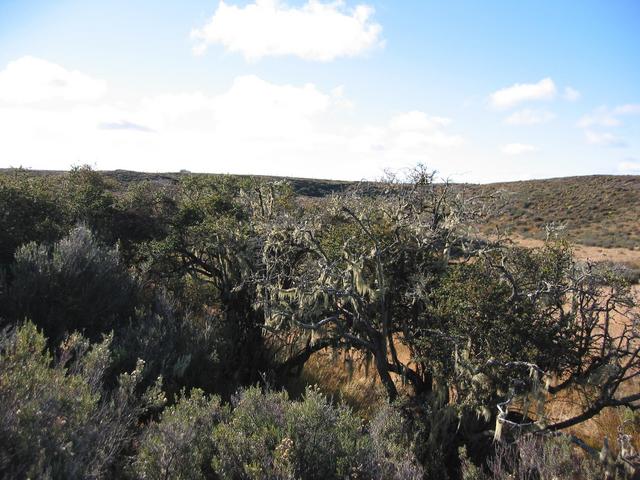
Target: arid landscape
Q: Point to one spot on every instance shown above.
(209, 247)
(319, 240)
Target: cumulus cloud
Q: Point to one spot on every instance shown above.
(571, 94)
(417, 121)
(519, 93)
(627, 109)
(408, 133)
(254, 107)
(530, 117)
(253, 126)
(123, 125)
(606, 118)
(517, 148)
(30, 80)
(604, 139)
(314, 31)
(602, 117)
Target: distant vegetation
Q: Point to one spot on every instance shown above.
(158, 326)
(597, 210)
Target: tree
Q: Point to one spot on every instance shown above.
(355, 273)
(210, 255)
(492, 330)
(30, 211)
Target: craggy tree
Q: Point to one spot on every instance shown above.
(354, 272)
(492, 331)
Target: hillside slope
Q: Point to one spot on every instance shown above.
(597, 210)
(600, 210)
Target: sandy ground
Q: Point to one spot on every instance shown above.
(596, 254)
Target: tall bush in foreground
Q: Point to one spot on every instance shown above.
(77, 284)
(180, 445)
(264, 435)
(56, 420)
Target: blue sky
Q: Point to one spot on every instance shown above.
(480, 91)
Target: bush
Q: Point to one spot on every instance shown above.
(393, 448)
(56, 420)
(78, 284)
(180, 445)
(30, 211)
(187, 350)
(247, 443)
(324, 441)
(264, 435)
(531, 457)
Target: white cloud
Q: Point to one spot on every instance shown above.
(530, 117)
(254, 126)
(601, 117)
(31, 80)
(123, 125)
(603, 139)
(511, 96)
(628, 109)
(517, 149)
(416, 121)
(409, 133)
(608, 117)
(256, 108)
(629, 167)
(315, 31)
(604, 117)
(571, 94)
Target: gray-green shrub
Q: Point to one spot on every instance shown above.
(180, 445)
(77, 284)
(56, 419)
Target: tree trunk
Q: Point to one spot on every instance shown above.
(382, 366)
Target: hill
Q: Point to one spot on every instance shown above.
(597, 210)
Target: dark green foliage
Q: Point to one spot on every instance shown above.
(186, 349)
(532, 457)
(264, 435)
(30, 211)
(77, 284)
(221, 282)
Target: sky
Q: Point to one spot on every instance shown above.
(479, 91)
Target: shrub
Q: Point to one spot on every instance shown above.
(30, 211)
(269, 437)
(56, 420)
(77, 284)
(393, 449)
(531, 457)
(180, 444)
(247, 443)
(188, 350)
(325, 441)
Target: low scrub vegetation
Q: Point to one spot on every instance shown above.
(160, 331)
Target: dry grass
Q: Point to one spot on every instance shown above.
(345, 379)
(599, 210)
